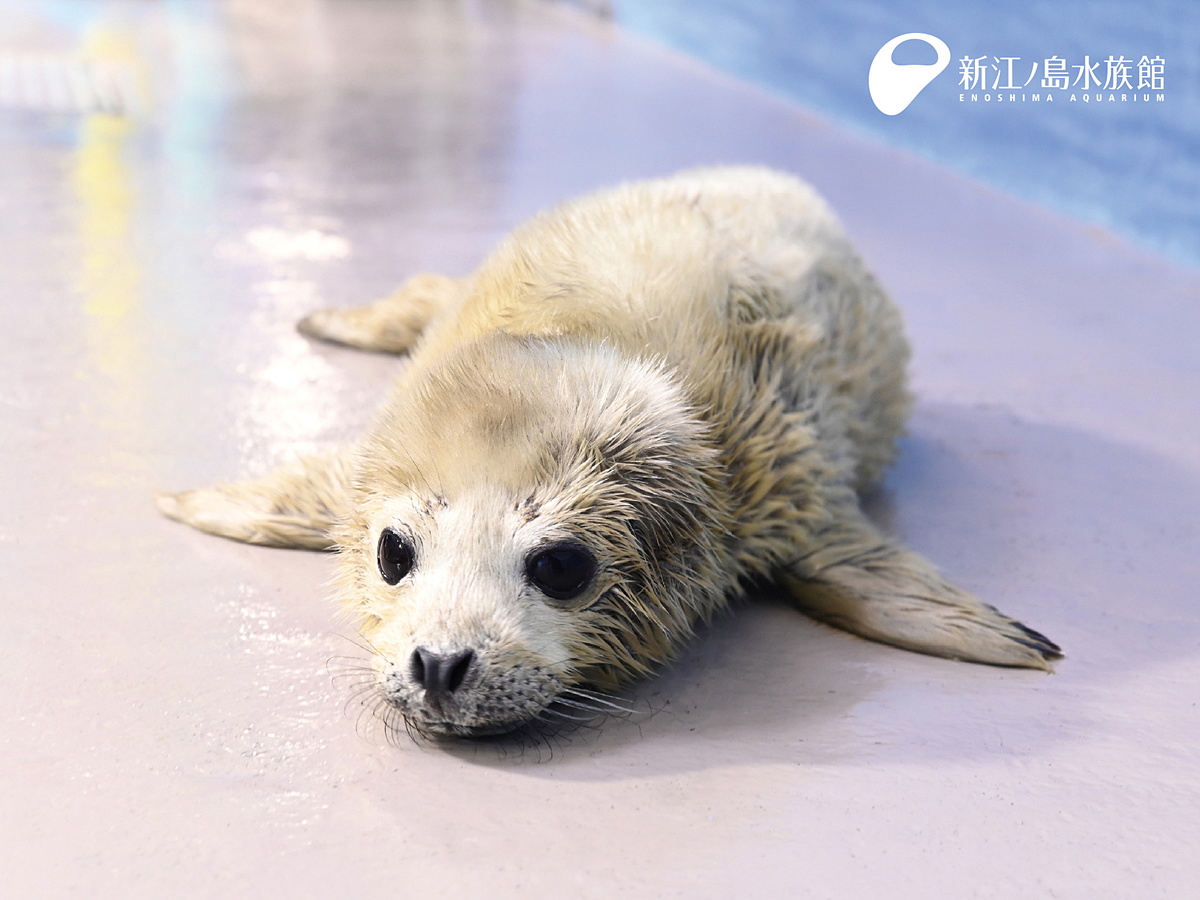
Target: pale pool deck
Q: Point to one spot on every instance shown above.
(170, 724)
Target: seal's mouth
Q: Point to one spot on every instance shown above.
(437, 721)
(454, 730)
(573, 708)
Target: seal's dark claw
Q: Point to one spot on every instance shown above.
(1040, 643)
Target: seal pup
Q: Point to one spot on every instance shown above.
(642, 402)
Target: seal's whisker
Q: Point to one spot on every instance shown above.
(385, 714)
(390, 728)
(358, 716)
(340, 671)
(600, 695)
(337, 659)
(349, 669)
(549, 734)
(593, 705)
(582, 696)
(359, 674)
(588, 712)
(362, 694)
(361, 641)
(556, 727)
(362, 674)
(367, 714)
(562, 715)
(416, 733)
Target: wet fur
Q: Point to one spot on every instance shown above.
(693, 377)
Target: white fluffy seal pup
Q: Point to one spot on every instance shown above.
(642, 402)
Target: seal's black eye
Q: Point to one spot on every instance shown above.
(563, 571)
(395, 556)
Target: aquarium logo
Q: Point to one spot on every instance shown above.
(892, 86)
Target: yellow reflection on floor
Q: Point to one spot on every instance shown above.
(110, 277)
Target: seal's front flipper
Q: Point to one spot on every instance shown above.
(390, 325)
(296, 505)
(856, 578)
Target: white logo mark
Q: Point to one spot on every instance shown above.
(893, 87)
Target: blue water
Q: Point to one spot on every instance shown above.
(1132, 166)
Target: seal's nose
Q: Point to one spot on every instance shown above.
(440, 673)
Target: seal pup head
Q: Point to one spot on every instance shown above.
(530, 516)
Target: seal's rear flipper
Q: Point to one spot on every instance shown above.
(390, 325)
(858, 579)
(295, 505)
